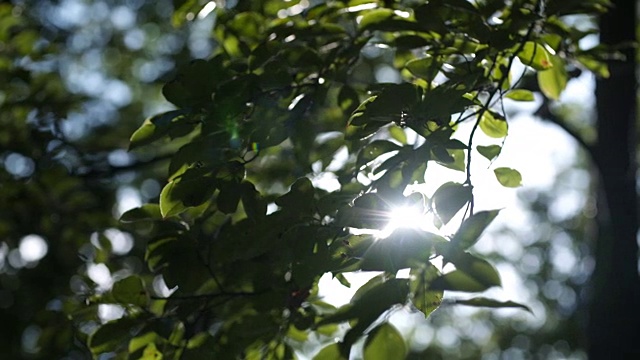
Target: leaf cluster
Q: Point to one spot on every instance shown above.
(243, 230)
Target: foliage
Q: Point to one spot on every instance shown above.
(243, 228)
(268, 110)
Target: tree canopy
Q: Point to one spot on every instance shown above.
(285, 154)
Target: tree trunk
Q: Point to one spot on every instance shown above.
(614, 324)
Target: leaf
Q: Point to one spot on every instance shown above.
(348, 99)
(423, 297)
(490, 152)
(553, 81)
(151, 353)
(402, 249)
(368, 304)
(253, 203)
(330, 352)
(456, 158)
(192, 188)
(112, 335)
(398, 134)
(425, 68)
(472, 228)
(508, 177)
(130, 290)
(599, 68)
(373, 150)
(229, 196)
(491, 303)
(521, 94)
(471, 274)
(449, 199)
(373, 17)
(535, 55)
(156, 127)
(146, 212)
(384, 342)
(458, 281)
(299, 200)
(492, 126)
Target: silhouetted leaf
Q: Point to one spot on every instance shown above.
(130, 290)
(472, 228)
(449, 199)
(486, 302)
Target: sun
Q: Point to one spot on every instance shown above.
(406, 217)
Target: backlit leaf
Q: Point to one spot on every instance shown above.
(535, 55)
(156, 127)
(384, 342)
(330, 352)
(424, 298)
(508, 177)
(373, 17)
(493, 125)
(520, 95)
(553, 81)
(490, 152)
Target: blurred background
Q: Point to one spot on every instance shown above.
(77, 77)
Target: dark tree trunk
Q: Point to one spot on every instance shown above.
(614, 325)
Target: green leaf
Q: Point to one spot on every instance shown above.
(491, 303)
(398, 134)
(402, 249)
(520, 94)
(455, 161)
(553, 81)
(300, 199)
(146, 212)
(192, 188)
(373, 17)
(151, 353)
(348, 99)
(535, 55)
(599, 68)
(156, 127)
(368, 304)
(472, 228)
(458, 281)
(330, 352)
(493, 124)
(490, 152)
(508, 177)
(130, 290)
(384, 342)
(423, 297)
(471, 274)
(373, 150)
(449, 199)
(425, 68)
(112, 335)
